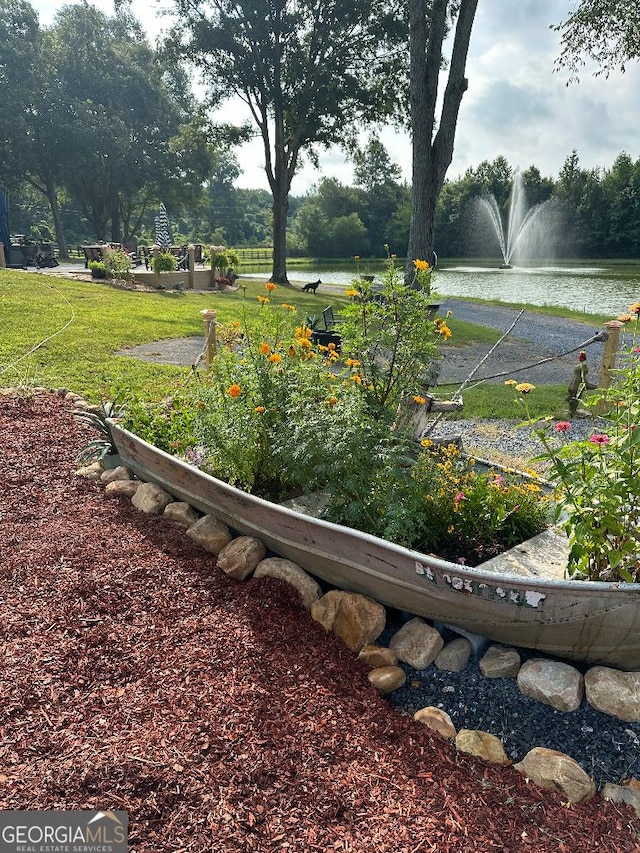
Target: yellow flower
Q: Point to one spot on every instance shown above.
(234, 390)
(332, 400)
(305, 343)
(450, 528)
(352, 362)
(531, 487)
(525, 388)
(275, 358)
(264, 349)
(419, 400)
(331, 345)
(356, 257)
(426, 442)
(288, 307)
(444, 331)
(292, 351)
(356, 378)
(263, 300)
(270, 286)
(421, 265)
(259, 409)
(635, 308)
(303, 332)
(351, 292)
(510, 382)
(624, 318)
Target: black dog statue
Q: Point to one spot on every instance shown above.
(312, 285)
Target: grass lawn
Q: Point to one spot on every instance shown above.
(59, 332)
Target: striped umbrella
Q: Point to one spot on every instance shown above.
(163, 232)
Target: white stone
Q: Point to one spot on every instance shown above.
(614, 692)
(436, 719)
(482, 745)
(553, 683)
(500, 662)
(151, 499)
(180, 513)
(454, 657)
(555, 771)
(416, 643)
(386, 679)
(240, 557)
(210, 534)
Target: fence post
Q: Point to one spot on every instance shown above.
(191, 263)
(209, 317)
(609, 356)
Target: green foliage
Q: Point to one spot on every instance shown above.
(117, 264)
(597, 479)
(256, 417)
(164, 262)
(98, 269)
(97, 418)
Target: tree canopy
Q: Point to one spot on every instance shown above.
(604, 31)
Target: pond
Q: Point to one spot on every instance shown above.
(601, 289)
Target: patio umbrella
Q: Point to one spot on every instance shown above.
(163, 232)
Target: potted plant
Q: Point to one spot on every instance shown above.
(97, 269)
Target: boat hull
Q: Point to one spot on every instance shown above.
(597, 623)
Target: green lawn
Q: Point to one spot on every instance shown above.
(58, 332)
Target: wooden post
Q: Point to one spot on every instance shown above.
(3, 262)
(609, 357)
(209, 317)
(610, 352)
(191, 256)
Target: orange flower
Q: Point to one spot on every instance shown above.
(263, 300)
(352, 362)
(234, 390)
(332, 401)
(292, 351)
(635, 308)
(305, 343)
(270, 286)
(419, 399)
(259, 409)
(351, 292)
(421, 265)
(275, 358)
(356, 378)
(264, 349)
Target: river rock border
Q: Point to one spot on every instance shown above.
(359, 622)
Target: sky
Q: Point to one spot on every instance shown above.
(516, 105)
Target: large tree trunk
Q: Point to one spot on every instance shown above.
(63, 249)
(280, 208)
(432, 155)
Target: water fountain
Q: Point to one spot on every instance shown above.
(524, 224)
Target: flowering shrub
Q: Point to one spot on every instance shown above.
(278, 415)
(597, 479)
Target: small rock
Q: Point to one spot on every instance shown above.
(287, 570)
(500, 662)
(555, 771)
(454, 657)
(180, 513)
(436, 719)
(557, 684)
(416, 643)
(375, 656)
(151, 499)
(627, 793)
(613, 692)
(356, 619)
(240, 557)
(210, 534)
(126, 488)
(119, 473)
(386, 679)
(90, 472)
(482, 745)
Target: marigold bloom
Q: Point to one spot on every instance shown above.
(288, 307)
(259, 409)
(305, 343)
(303, 332)
(263, 300)
(426, 442)
(352, 362)
(624, 318)
(292, 351)
(510, 382)
(351, 292)
(444, 331)
(450, 528)
(234, 390)
(331, 345)
(599, 438)
(635, 308)
(356, 378)
(525, 387)
(270, 286)
(332, 400)
(562, 426)
(421, 265)
(419, 400)
(264, 349)
(275, 358)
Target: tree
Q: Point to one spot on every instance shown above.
(309, 72)
(605, 31)
(433, 149)
(379, 178)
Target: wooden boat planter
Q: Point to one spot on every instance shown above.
(593, 622)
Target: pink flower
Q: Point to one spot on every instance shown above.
(461, 560)
(599, 438)
(459, 498)
(562, 426)
(636, 349)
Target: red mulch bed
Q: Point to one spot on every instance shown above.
(137, 676)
